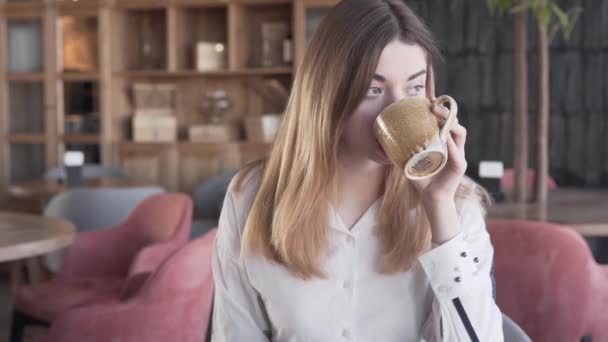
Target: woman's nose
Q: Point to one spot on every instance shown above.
(394, 95)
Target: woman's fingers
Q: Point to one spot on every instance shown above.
(459, 134)
(457, 160)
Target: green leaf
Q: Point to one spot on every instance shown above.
(561, 16)
(573, 16)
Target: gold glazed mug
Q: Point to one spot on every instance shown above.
(409, 134)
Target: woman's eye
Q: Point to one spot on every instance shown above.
(415, 90)
(374, 91)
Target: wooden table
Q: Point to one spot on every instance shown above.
(44, 189)
(585, 211)
(24, 237)
(32, 196)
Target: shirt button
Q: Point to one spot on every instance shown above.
(457, 279)
(347, 285)
(463, 254)
(345, 333)
(476, 259)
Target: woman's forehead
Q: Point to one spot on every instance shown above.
(402, 61)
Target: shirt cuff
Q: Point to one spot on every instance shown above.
(450, 268)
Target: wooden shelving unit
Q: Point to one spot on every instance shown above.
(280, 71)
(26, 138)
(25, 76)
(89, 53)
(81, 138)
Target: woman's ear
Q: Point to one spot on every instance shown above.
(430, 82)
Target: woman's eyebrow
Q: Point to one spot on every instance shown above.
(379, 78)
(421, 72)
(383, 79)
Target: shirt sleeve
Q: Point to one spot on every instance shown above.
(459, 272)
(238, 313)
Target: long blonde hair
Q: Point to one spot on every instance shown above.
(287, 221)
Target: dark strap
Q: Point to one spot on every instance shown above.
(465, 320)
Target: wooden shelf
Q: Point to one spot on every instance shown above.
(141, 4)
(218, 3)
(78, 7)
(220, 73)
(23, 9)
(27, 138)
(234, 144)
(261, 2)
(186, 143)
(25, 76)
(320, 3)
(81, 138)
(199, 3)
(77, 76)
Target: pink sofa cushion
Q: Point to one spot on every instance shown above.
(45, 301)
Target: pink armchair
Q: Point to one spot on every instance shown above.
(507, 182)
(102, 264)
(173, 304)
(548, 282)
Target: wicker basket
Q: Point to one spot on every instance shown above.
(213, 133)
(262, 128)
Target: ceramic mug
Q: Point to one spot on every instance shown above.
(409, 134)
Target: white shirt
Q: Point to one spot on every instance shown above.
(257, 300)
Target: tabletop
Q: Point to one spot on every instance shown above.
(48, 188)
(584, 210)
(23, 236)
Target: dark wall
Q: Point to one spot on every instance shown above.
(478, 72)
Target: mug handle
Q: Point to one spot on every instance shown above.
(445, 130)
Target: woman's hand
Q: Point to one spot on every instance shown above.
(437, 193)
(444, 184)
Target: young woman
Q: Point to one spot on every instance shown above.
(325, 240)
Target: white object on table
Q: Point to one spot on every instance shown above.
(73, 158)
(491, 169)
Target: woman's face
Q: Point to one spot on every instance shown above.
(401, 73)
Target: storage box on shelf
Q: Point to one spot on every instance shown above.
(153, 119)
(199, 35)
(210, 56)
(79, 43)
(154, 128)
